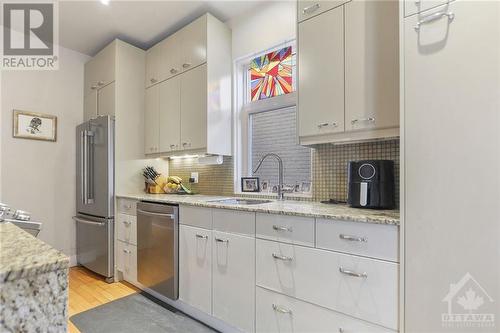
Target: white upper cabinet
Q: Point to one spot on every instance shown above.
(198, 59)
(193, 122)
(417, 6)
(170, 61)
(372, 65)
(170, 114)
(153, 71)
(151, 120)
(321, 73)
(106, 100)
(193, 41)
(100, 70)
(307, 8)
(348, 83)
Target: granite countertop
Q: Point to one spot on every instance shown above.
(22, 255)
(287, 207)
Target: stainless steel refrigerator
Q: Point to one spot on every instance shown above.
(95, 195)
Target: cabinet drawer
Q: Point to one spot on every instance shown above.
(127, 206)
(364, 239)
(360, 287)
(234, 221)
(126, 261)
(126, 228)
(307, 9)
(279, 313)
(418, 6)
(287, 229)
(196, 216)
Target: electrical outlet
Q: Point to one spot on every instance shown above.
(194, 178)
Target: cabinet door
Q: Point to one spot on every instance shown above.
(195, 267)
(90, 105)
(170, 56)
(106, 100)
(371, 67)
(321, 74)
(307, 8)
(126, 261)
(194, 108)
(170, 114)
(234, 279)
(90, 76)
(151, 119)
(194, 43)
(417, 6)
(452, 128)
(153, 63)
(100, 70)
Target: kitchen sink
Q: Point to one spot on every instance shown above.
(234, 201)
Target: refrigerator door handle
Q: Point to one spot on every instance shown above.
(80, 220)
(82, 165)
(90, 170)
(85, 168)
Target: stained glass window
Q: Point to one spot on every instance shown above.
(271, 74)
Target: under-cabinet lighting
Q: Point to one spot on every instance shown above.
(105, 2)
(183, 157)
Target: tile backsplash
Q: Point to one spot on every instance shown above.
(329, 169)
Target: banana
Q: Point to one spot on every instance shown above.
(175, 179)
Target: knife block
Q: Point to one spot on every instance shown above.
(156, 189)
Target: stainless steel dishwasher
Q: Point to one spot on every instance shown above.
(158, 248)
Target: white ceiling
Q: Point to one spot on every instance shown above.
(87, 26)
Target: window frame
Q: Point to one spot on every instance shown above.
(244, 107)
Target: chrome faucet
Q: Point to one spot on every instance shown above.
(281, 195)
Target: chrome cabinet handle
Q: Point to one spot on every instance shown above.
(186, 65)
(434, 17)
(172, 147)
(173, 71)
(152, 80)
(127, 251)
(100, 83)
(341, 330)
(127, 223)
(281, 309)
(220, 240)
(322, 125)
(311, 9)
(186, 144)
(351, 273)
(353, 238)
(201, 236)
(369, 119)
(281, 228)
(280, 257)
(93, 87)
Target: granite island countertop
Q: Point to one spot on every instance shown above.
(286, 207)
(22, 255)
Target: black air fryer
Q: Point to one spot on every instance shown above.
(371, 184)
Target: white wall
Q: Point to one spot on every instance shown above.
(271, 23)
(39, 176)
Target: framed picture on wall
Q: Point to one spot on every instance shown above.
(35, 126)
(250, 184)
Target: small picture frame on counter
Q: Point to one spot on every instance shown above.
(305, 187)
(265, 186)
(250, 184)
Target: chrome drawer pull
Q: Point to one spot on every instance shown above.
(280, 257)
(281, 228)
(281, 309)
(127, 251)
(434, 17)
(311, 9)
(351, 273)
(353, 238)
(127, 222)
(220, 240)
(369, 119)
(201, 236)
(322, 125)
(186, 65)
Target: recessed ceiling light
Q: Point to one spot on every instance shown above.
(105, 2)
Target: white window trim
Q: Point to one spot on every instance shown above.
(241, 124)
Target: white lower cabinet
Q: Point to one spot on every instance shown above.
(280, 313)
(361, 287)
(195, 267)
(126, 261)
(234, 279)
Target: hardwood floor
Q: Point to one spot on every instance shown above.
(88, 290)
